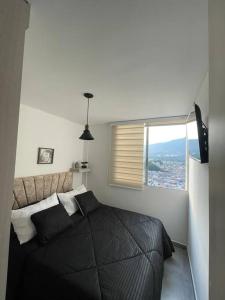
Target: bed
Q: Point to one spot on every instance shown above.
(109, 254)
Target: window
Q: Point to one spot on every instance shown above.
(153, 153)
(128, 155)
(166, 156)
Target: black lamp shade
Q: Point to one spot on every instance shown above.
(86, 135)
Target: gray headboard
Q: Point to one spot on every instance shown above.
(28, 190)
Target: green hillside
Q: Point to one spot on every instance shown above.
(153, 167)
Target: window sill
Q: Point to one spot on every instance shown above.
(165, 188)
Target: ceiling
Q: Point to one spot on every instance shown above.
(141, 59)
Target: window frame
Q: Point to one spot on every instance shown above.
(151, 122)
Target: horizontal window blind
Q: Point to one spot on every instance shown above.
(128, 155)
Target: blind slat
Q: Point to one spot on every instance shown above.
(128, 148)
(128, 160)
(128, 131)
(128, 182)
(127, 171)
(126, 126)
(128, 142)
(126, 176)
(127, 153)
(125, 179)
(128, 165)
(129, 137)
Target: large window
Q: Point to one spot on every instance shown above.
(153, 154)
(166, 156)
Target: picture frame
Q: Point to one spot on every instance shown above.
(45, 156)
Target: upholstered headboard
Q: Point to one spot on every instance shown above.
(28, 190)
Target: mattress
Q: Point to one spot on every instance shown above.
(110, 254)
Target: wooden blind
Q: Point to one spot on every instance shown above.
(128, 155)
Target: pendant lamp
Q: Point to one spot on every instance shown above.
(86, 135)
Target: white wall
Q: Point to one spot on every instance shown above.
(198, 229)
(14, 16)
(41, 129)
(168, 205)
(198, 215)
(217, 149)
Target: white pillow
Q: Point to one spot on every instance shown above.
(67, 199)
(21, 218)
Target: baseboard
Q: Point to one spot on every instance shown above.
(193, 282)
(179, 245)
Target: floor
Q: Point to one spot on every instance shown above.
(177, 281)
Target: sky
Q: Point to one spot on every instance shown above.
(161, 134)
(192, 130)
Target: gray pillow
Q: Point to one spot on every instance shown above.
(87, 202)
(50, 222)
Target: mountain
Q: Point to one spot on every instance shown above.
(154, 167)
(172, 150)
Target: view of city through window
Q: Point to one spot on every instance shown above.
(167, 156)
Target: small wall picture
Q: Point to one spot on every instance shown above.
(45, 156)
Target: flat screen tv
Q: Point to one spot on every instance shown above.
(197, 136)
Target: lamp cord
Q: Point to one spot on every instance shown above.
(87, 111)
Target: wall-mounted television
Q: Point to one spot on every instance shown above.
(197, 136)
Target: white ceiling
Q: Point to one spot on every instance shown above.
(141, 58)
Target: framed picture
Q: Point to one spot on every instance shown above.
(45, 156)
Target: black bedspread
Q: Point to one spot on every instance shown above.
(111, 254)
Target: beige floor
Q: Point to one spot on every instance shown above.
(177, 281)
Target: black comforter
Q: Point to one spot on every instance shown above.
(110, 254)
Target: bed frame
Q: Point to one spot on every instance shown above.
(28, 190)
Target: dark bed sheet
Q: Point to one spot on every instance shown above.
(111, 254)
